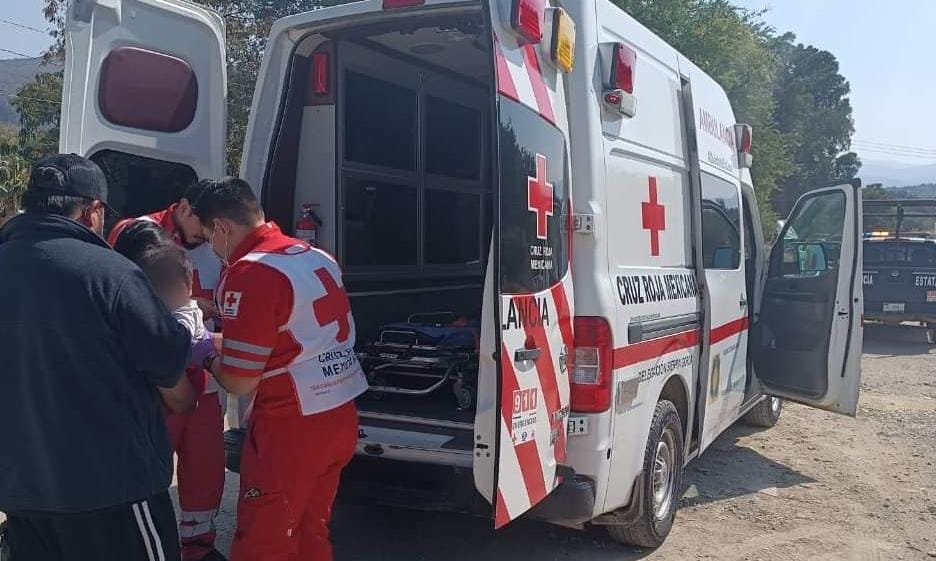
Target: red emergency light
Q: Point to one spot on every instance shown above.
(526, 19)
(393, 4)
(744, 138)
(619, 96)
(591, 366)
(321, 69)
(623, 66)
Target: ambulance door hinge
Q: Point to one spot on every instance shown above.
(583, 223)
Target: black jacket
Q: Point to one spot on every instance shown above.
(84, 341)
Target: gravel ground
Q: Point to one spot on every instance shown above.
(817, 486)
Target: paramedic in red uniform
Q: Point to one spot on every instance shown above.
(197, 437)
(289, 342)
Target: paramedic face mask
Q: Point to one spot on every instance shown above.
(219, 236)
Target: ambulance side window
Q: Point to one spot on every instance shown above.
(721, 224)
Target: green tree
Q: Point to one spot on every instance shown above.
(814, 113)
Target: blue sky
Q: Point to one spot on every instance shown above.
(885, 51)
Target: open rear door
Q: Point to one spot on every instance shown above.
(523, 409)
(809, 337)
(145, 77)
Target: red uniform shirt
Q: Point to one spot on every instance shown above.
(270, 332)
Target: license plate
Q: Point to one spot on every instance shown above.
(577, 425)
(931, 295)
(893, 306)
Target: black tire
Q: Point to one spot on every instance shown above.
(651, 529)
(766, 413)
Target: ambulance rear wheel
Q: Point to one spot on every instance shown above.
(766, 413)
(661, 481)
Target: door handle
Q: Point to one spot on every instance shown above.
(742, 303)
(521, 355)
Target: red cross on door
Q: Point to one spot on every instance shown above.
(653, 216)
(334, 306)
(540, 198)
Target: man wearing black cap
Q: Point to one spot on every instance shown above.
(87, 350)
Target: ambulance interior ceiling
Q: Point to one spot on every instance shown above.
(450, 43)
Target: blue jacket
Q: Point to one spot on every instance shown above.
(84, 342)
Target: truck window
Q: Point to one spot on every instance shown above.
(813, 241)
(380, 225)
(721, 224)
(452, 155)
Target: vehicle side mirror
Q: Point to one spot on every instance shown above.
(811, 258)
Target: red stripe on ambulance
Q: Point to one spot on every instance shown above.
(532, 65)
(505, 83)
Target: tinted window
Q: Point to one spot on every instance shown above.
(138, 185)
(380, 224)
(380, 122)
(721, 224)
(453, 227)
(147, 90)
(900, 254)
(534, 201)
(453, 139)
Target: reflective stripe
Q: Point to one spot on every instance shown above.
(192, 530)
(274, 372)
(198, 515)
(246, 347)
(241, 363)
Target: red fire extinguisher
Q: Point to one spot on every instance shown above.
(308, 225)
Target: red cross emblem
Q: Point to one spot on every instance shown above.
(653, 216)
(334, 306)
(540, 198)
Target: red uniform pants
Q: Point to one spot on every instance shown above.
(198, 439)
(290, 470)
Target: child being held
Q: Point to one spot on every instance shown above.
(170, 273)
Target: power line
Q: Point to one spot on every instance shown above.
(22, 26)
(11, 95)
(885, 144)
(22, 55)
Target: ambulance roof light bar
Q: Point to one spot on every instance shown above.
(622, 82)
(744, 137)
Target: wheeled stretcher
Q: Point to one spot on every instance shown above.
(424, 355)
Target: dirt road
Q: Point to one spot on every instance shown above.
(817, 486)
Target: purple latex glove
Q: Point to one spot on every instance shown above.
(203, 348)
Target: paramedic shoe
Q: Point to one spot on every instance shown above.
(214, 555)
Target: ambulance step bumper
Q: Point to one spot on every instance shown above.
(571, 504)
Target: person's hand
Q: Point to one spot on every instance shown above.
(203, 349)
(208, 308)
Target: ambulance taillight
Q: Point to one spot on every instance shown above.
(621, 82)
(393, 4)
(592, 374)
(526, 19)
(744, 137)
(320, 73)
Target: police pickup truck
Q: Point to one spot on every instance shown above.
(900, 268)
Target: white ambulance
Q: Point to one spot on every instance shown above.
(550, 170)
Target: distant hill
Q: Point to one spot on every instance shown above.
(893, 174)
(14, 72)
(924, 191)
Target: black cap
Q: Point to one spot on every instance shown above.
(69, 175)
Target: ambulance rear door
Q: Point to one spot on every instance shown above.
(147, 78)
(808, 338)
(520, 427)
